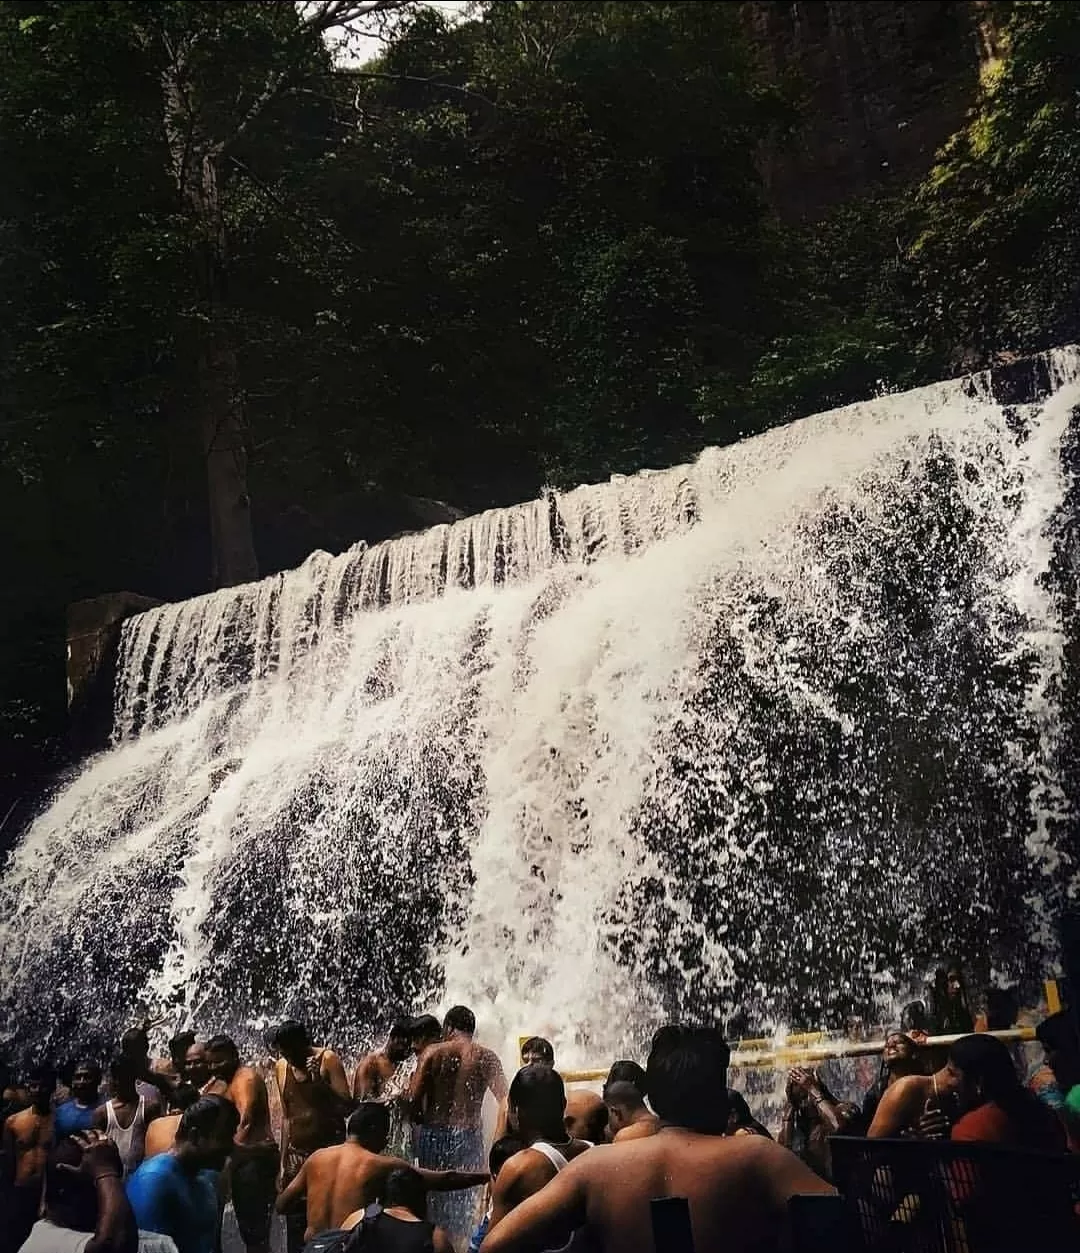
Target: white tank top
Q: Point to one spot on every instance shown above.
(551, 1153)
(130, 1141)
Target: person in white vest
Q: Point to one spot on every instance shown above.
(125, 1117)
(538, 1108)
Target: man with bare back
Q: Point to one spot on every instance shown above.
(348, 1177)
(254, 1163)
(28, 1140)
(737, 1188)
(447, 1101)
(315, 1100)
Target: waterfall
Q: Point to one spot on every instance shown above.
(756, 739)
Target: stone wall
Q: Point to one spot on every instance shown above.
(883, 86)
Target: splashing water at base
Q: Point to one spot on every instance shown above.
(755, 740)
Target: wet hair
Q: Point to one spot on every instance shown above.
(985, 1061)
(687, 1077)
(183, 1096)
(290, 1036)
(180, 1043)
(628, 1072)
(538, 1092)
(913, 1017)
(370, 1120)
(403, 1027)
(537, 1044)
(623, 1094)
(737, 1105)
(460, 1019)
(124, 1069)
(135, 1041)
(502, 1151)
(1059, 1033)
(223, 1044)
(405, 1187)
(88, 1064)
(1001, 1008)
(45, 1075)
(203, 1117)
(425, 1027)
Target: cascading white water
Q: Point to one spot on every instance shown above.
(759, 735)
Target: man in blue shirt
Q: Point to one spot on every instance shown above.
(175, 1193)
(78, 1113)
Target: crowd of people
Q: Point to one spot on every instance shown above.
(147, 1155)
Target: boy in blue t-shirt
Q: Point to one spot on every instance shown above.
(77, 1114)
(175, 1193)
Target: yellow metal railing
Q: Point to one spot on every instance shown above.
(748, 1056)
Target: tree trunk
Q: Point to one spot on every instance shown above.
(220, 417)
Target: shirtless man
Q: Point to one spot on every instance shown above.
(629, 1118)
(28, 1140)
(161, 1134)
(447, 1100)
(920, 1103)
(348, 1177)
(315, 1099)
(255, 1161)
(737, 1188)
(538, 1108)
(385, 1075)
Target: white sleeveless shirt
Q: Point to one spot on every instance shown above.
(130, 1141)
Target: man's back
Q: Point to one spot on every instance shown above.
(340, 1180)
(737, 1189)
(454, 1076)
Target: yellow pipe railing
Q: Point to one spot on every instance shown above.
(782, 1056)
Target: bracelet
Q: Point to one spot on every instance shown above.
(107, 1174)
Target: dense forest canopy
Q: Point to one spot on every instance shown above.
(243, 287)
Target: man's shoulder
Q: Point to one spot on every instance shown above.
(47, 1237)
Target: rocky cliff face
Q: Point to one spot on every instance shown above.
(883, 85)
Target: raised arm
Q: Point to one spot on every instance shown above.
(545, 1221)
(333, 1072)
(416, 1101)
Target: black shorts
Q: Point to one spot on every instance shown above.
(254, 1189)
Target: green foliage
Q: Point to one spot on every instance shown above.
(997, 261)
(531, 247)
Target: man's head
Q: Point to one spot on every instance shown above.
(913, 1017)
(1061, 1044)
(627, 1072)
(954, 981)
(586, 1116)
(537, 1103)
(222, 1057)
(369, 1125)
(399, 1042)
(739, 1113)
(404, 1189)
(40, 1086)
(687, 1078)
(178, 1048)
(135, 1043)
(501, 1152)
(205, 1134)
(536, 1051)
(86, 1082)
(292, 1041)
(460, 1021)
(124, 1072)
(196, 1066)
(426, 1031)
(624, 1105)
